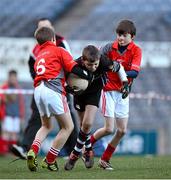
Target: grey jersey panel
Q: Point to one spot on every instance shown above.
(104, 50)
(56, 84)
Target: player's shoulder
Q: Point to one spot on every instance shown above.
(35, 50)
(79, 60)
(60, 49)
(136, 47)
(103, 58)
(105, 49)
(59, 37)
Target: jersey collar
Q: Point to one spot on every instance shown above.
(47, 44)
(115, 45)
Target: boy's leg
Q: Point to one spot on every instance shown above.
(104, 131)
(33, 126)
(107, 107)
(89, 116)
(70, 143)
(106, 156)
(121, 112)
(40, 136)
(66, 126)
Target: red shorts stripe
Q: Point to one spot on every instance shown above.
(65, 105)
(103, 103)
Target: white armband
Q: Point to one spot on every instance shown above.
(122, 74)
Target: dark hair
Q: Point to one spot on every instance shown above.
(126, 26)
(12, 72)
(91, 53)
(44, 34)
(43, 19)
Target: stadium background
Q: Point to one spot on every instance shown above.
(93, 22)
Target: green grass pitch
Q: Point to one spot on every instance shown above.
(126, 167)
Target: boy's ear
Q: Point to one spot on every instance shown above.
(54, 39)
(133, 37)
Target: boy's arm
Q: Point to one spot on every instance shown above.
(136, 62)
(122, 74)
(82, 73)
(114, 66)
(117, 67)
(71, 66)
(132, 74)
(31, 63)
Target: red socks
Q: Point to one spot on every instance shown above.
(36, 146)
(92, 140)
(52, 154)
(108, 152)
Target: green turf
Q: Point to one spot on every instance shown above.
(124, 167)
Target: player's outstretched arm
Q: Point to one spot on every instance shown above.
(82, 73)
(122, 74)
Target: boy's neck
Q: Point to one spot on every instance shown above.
(121, 49)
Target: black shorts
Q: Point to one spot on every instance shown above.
(86, 99)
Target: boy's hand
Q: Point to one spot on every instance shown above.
(125, 90)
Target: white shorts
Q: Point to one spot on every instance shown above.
(112, 104)
(49, 102)
(11, 124)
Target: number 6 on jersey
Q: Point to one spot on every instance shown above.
(40, 68)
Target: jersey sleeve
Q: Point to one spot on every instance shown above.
(109, 64)
(136, 61)
(106, 63)
(67, 60)
(104, 50)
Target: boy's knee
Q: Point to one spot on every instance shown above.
(47, 126)
(121, 132)
(69, 127)
(86, 127)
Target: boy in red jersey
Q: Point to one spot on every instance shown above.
(34, 122)
(51, 64)
(113, 106)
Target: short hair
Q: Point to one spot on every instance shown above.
(91, 53)
(43, 19)
(12, 72)
(44, 34)
(126, 26)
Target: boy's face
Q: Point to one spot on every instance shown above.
(124, 39)
(12, 79)
(91, 66)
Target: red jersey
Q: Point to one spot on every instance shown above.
(51, 64)
(130, 59)
(36, 50)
